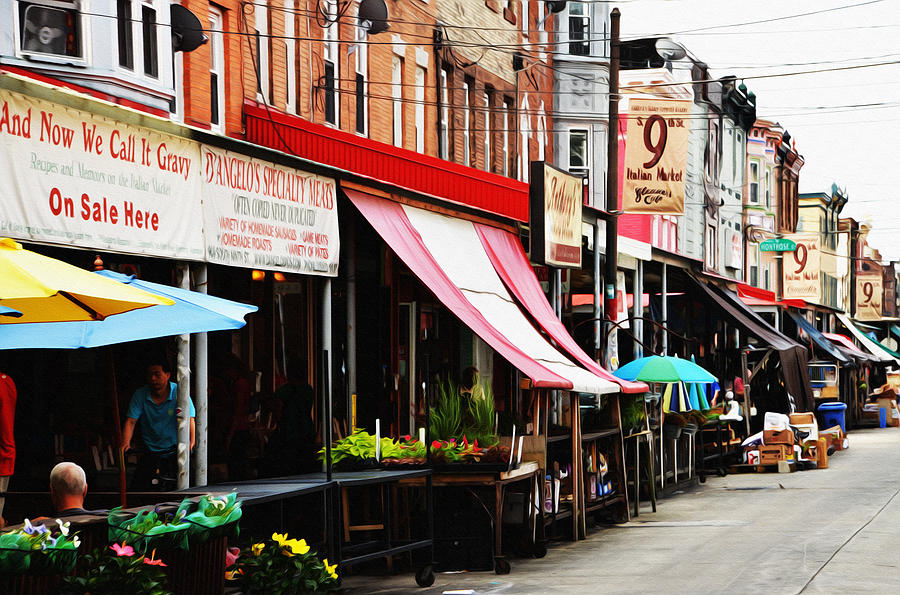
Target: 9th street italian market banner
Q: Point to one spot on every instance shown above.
(656, 147)
(71, 177)
(265, 216)
(869, 294)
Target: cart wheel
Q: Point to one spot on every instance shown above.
(425, 576)
(501, 565)
(539, 550)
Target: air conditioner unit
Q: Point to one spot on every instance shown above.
(50, 28)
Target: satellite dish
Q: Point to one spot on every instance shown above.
(556, 5)
(187, 31)
(668, 50)
(373, 15)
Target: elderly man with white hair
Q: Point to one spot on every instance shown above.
(68, 487)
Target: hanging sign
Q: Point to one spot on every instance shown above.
(656, 147)
(78, 179)
(777, 245)
(555, 199)
(802, 270)
(869, 294)
(264, 216)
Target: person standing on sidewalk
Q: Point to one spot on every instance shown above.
(7, 437)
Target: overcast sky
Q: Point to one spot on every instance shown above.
(846, 123)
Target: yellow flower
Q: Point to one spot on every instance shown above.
(330, 568)
(297, 547)
(257, 548)
(279, 538)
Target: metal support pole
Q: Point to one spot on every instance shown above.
(612, 171)
(326, 372)
(598, 295)
(349, 249)
(183, 378)
(665, 310)
(201, 387)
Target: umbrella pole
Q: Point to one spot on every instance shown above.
(117, 424)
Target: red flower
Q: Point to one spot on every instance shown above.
(153, 562)
(122, 550)
(407, 438)
(436, 444)
(465, 442)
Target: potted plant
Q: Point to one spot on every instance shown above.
(280, 566)
(36, 549)
(117, 569)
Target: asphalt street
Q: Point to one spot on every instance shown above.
(830, 530)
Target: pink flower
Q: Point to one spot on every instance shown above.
(436, 444)
(122, 550)
(231, 554)
(153, 562)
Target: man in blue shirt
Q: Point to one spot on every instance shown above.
(155, 405)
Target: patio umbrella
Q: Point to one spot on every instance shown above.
(44, 289)
(4, 311)
(191, 312)
(663, 368)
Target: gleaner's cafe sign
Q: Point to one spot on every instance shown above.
(656, 146)
(75, 178)
(555, 207)
(801, 269)
(869, 290)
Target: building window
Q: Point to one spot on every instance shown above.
(578, 152)
(579, 29)
(711, 247)
(216, 69)
(330, 57)
(421, 76)
(768, 186)
(397, 99)
(753, 265)
(290, 50)
(261, 25)
(508, 116)
(767, 278)
(138, 36)
(525, 18)
(488, 133)
(542, 27)
(445, 116)
(362, 69)
(467, 124)
(754, 183)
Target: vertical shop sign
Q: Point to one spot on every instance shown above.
(555, 207)
(656, 145)
(869, 290)
(802, 269)
(262, 215)
(78, 179)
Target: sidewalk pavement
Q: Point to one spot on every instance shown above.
(832, 530)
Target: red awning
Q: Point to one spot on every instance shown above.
(756, 296)
(512, 265)
(392, 224)
(845, 342)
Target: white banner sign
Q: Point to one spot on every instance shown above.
(265, 216)
(801, 269)
(74, 178)
(869, 294)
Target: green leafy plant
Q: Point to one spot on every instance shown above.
(150, 528)
(37, 549)
(116, 569)
(446, 415)
(633, 415)
(280, 566)
(481, 417)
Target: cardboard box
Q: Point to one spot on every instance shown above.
(771, 454)
(799, 419)
(778, 437)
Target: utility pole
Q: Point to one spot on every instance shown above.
(612, 176)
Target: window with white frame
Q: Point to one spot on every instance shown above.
(525, 18)
(290, 50)
(579, 158)
(421, 76)
(711, 247)
(525, 131)
(542, 26)
(488, 133)
(138, 36)
(216, 69)
(176, 106)
(467, 124)
(768, 187)
(362, 71)
(397, 98)
(754, 183)
(542, 133)
(330, 56)
(753, 264)
(579, 29)
(444, 150)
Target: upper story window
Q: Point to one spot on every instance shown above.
(362, 70)
(488, 133)
(579, 29)
(138, 36)
(216, 69)
(754, 183)
(768, 187)
(444, 149)
(330, 56)
(525, 18)
(467, 125)
(290, 51)
(397, 99)
(578, 152)
(261, 33)
(52, 30)
(420, 109)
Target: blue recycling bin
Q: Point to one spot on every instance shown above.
(833, 415)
